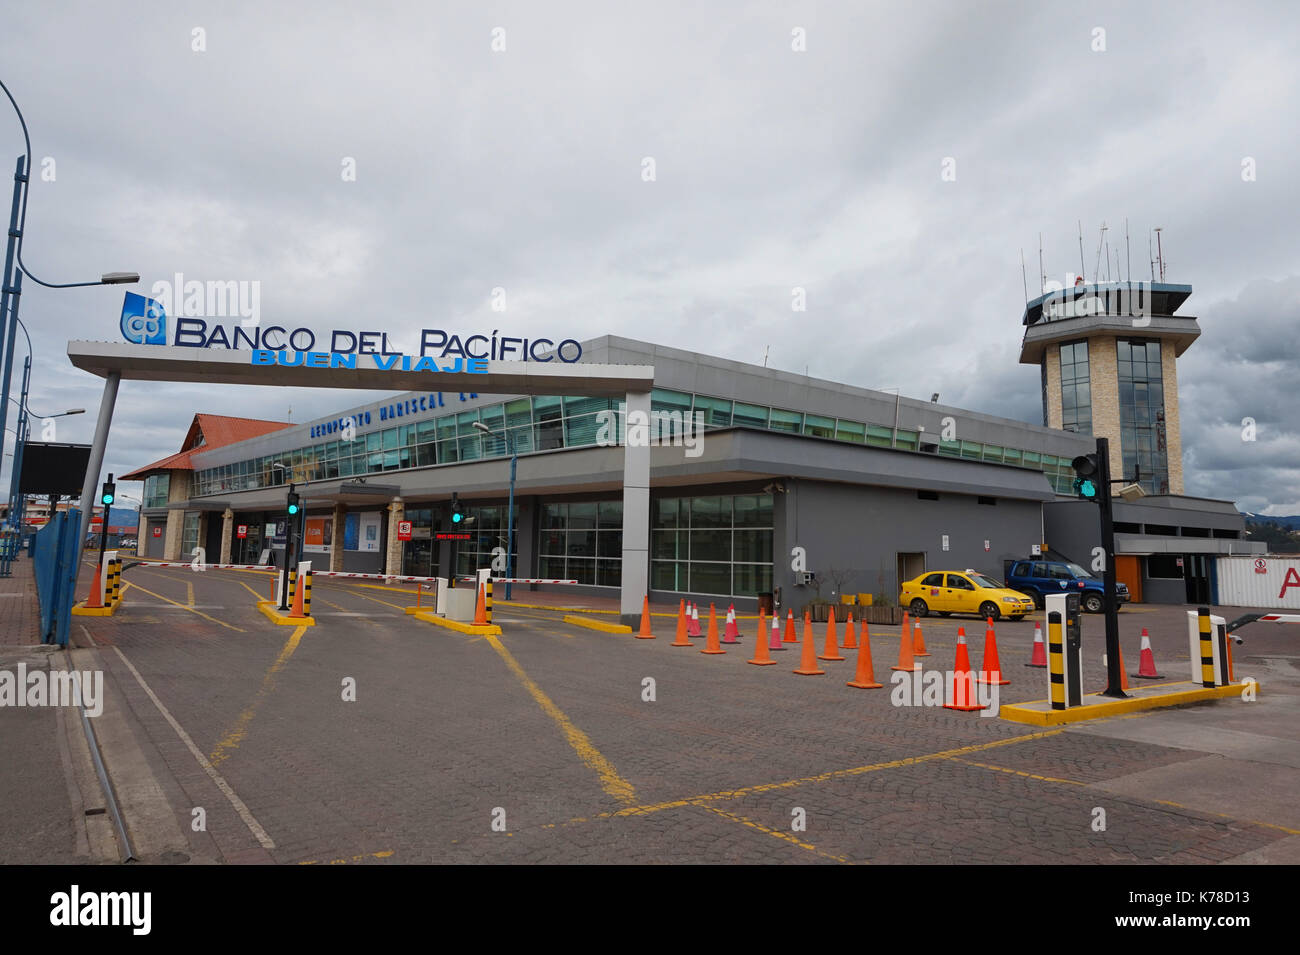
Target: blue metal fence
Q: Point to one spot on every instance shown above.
(55, 566)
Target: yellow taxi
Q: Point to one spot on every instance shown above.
(965, 591)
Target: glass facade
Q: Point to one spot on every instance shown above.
(582, 541)
(190, 534)
(1076, 389)
(712, 545)
(420, 553)
(1142, 414)
(156, 489)
(487, 532)
(544, 423)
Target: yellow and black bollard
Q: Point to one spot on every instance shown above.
(1056, 660)
(115, 569)
(487, 599)
(306, 593)
(1207, 647)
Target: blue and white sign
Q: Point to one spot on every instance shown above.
(144, 322)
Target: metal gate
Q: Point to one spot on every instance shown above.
(58, 552)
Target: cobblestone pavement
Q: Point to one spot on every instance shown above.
(540, 745)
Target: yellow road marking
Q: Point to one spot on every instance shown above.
(189, 593)
(1224, 815)
(610, 780)
(251, 590)
(776, 833)
(361, 858)
(823, 777)
(236, 735)
(200, 613)
(1017, 772)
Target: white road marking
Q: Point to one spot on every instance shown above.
(253, 825)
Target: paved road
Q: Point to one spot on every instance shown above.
(538, 746)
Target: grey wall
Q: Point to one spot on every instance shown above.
(863, 529)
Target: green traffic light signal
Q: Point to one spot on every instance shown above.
(106, 498)
(455, 518)
(1085, 488)
(293, 508)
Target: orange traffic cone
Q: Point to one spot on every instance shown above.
(831, 651)
(732, 631)
(646, 633)
(680, 639)
(711, 644)
(918, 641)
(1147, 660)
(789, 627)
(94, 600)
(776, 643)
(761, 657)
(296, 610)
(865, 677)
(850, 634)
(808, 665)
(1039, 658)
(963, 687)
(480, 608)
(991, 668)
(905, 649)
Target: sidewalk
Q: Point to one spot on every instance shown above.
(20, 619)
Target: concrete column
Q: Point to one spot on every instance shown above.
(227, 535)
(636, 507)
(172, 534)
(393, 552)
(336, 549)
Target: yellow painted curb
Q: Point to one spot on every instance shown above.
(477, 631)
(78, 610)
(597, 624)
(268, 608)
(612, 613)
(1025, 713)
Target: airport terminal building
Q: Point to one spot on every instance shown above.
(871, 488)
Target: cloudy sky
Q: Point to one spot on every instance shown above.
(774, 168)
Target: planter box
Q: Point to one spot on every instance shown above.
(892, 616)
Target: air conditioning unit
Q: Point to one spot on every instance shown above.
(805, 577)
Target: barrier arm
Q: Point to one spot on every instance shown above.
(1260, 617)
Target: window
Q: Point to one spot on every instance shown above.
(927, 495)
(818, 426)
(934, 580)
(1076, 395)
(1040, 569)
(717, 411)
(156, 488)
(850, 431)
(989, 501)
(957, 582)
(1059, 572)
(750, 416)
(713, 545)
(1164, 567)
(788, 421)
(1142, 413)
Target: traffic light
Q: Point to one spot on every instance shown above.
(1086, 472)
(293, 502)
(108, 492)
(457, 515)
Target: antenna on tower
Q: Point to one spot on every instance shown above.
(1160, 255)
(1024, 276)
(1128, 255)
(1101, 238)
(1081, 275)
(1107, 260)
(1042, 276)
(1151, 255)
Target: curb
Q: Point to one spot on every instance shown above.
(268, 609)
(600, 625)
(480, 631)
(1026, 713)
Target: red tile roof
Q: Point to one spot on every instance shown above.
(216, 431)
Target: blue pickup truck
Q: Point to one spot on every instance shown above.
(1039, 577)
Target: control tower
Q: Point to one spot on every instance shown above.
(1108, 354)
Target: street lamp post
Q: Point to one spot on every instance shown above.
(11, 287)
(510, 508)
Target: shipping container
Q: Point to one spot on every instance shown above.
(1270, 583)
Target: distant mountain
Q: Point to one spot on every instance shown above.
(1292, 522)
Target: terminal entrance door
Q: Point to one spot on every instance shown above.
(910, 566)
(420, 553)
